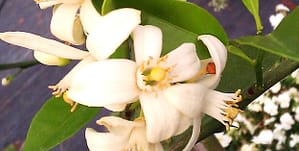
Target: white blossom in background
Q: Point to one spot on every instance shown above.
(255, 107)
(283, 99)
(276, 88)
(286, 121)
(281, 11)
(264, 137)
(294, 140)
(248, 147)
(6, 81)
(223, 139)
(242, 119)
(270, 107)
(269, 120)
(295, 75)
(297, 114)
(279, 134)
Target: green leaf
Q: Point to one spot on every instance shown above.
(253, 8)
(182, 23)
(282, 42)
(55, 123)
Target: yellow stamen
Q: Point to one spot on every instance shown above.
(157, 74)
(232, 110)
(69, 101)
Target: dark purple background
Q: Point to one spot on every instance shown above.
(25, 95)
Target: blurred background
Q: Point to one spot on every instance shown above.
(27, 92)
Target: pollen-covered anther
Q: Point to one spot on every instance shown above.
(232, 110)
(211, 68)
(57, 90)
(69, 101)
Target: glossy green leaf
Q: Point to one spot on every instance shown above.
(182, 23)
(55, 123)
(253, 8)
(282, 42)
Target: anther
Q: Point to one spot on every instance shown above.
(211, 68)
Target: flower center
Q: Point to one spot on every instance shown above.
(152, 75)
(156, 74)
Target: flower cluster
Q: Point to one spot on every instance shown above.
(271, 121)
(177, 88)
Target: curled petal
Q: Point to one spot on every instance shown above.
(158, 112)
(89, 16)
(65, 82)
(218, 53)
(117, 125)
(184, 62)
(112, 31)
(49, 59)
(147, 43)
(187, 98)
(106, 82)
(44, 45)
(195, 134)
(66, 25)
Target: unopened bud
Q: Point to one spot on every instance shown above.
(50, 60)
(6, 80)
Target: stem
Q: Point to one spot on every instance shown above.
(259, 70)
(238, 52)
(21, 65)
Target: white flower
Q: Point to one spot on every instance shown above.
(279, 134)
(294, 140)
(281, 13)
(270, 107)
(242, 119)
(162, 84)
(297, 114)
(286, 121)
(264, 137)
(269, 120)
(223, 139)
(123, 135)
(248, 147)
(284, 100)
(275, 88)
(255, 107)
(116, 27)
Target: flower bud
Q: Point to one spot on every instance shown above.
(50, 60)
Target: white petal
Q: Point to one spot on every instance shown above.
(158, 112)
(147, 42)
(65, 82)
(107, 82)
(195, 134)
(105, 141)
(116, 107)
(112, 31)
(215, 103)
(50, 60)
(218, 53)
(118, 125)
(38, 43)
(184, 61)
(89, 16)
(66, 25)
(187, 98)
(49, 3)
